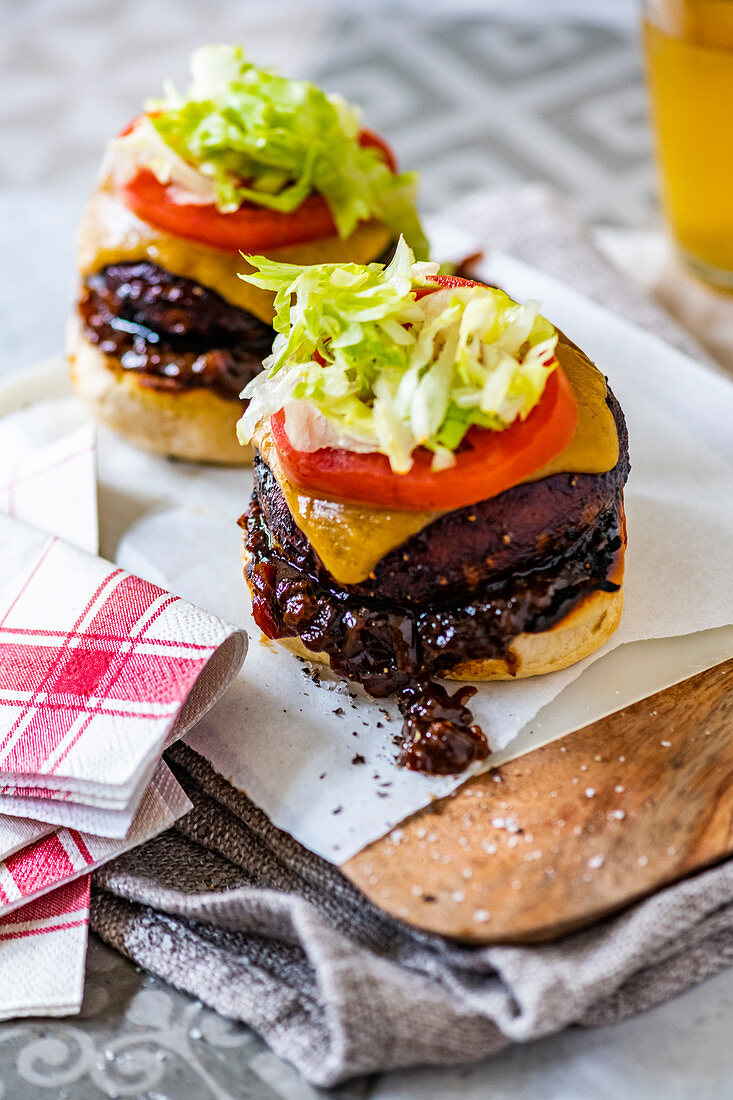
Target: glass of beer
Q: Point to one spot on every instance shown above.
(689, 58)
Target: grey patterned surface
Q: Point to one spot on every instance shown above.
(475, 102)
(470, 100)
(139, 1037)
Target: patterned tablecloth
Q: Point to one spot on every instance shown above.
(488, 94)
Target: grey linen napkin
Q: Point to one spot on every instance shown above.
(239, 914)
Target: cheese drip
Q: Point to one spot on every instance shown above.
(111, 234)
(350, 539)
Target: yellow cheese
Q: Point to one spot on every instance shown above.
(594, 446)
(350, 539)
(112, 234)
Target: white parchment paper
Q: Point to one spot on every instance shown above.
(318, 757)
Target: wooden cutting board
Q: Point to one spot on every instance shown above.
(570, 832)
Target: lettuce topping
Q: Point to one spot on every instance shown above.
(360, 362)
(260, 137)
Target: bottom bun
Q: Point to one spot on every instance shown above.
(581, 632)
(195, 424)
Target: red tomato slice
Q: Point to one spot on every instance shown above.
(250, 228)
(488, 463)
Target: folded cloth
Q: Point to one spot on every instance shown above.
(240, 915)
(66, 854)
(44, 901)
(98, 669)
(45, 871)
(19, 832)
(43, 946)
(237, 913)
(53, 487)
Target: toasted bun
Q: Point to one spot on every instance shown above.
(194, 424)
(579, 633)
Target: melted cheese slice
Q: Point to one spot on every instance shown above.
(594, 446)
(350, 539)
(111, 234)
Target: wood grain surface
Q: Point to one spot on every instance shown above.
(572, 831)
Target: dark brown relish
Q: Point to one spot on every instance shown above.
(394, 649)
(174, 332)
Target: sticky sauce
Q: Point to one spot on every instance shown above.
(439, 736)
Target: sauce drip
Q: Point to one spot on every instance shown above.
(393, 650)
(439, 736)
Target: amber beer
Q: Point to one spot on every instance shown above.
(689, 54)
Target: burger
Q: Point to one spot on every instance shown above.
(438, 490)
(165, 334)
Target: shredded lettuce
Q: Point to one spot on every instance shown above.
(359, 362)
(263, 138)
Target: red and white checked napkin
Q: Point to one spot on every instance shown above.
(44, 904)
(43, 946)
(98, 670)
(95, 668)
(67, 854)
(17, 833)
(54, 488)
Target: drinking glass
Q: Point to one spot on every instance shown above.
(689, 60)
